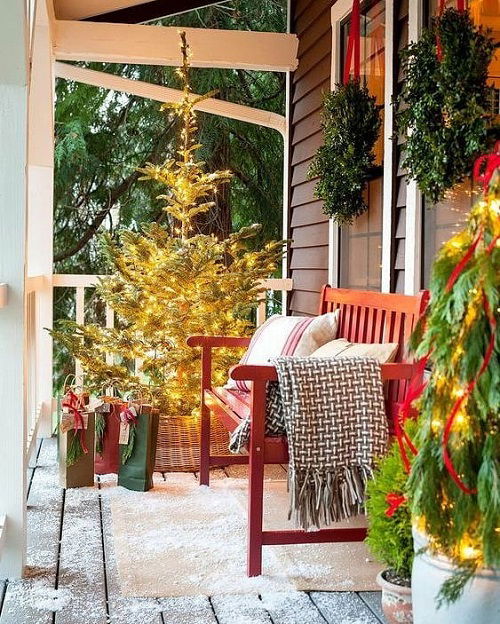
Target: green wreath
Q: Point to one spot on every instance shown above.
(443, 107)
(351, 124)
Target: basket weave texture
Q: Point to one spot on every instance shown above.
(178, 447)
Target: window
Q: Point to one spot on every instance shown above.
(361, 243)
(441, 221)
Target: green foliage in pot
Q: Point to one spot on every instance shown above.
(351, 124)
(443, 108)
(389, 535)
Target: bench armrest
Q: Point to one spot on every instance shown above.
(251, 372)
(218, 341)
(397, 370)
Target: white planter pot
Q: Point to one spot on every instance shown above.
(479, 603)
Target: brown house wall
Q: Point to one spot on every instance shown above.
(308, 257)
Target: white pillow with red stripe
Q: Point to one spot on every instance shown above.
(287, 335)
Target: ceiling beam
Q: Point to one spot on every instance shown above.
(159, 45)
(165, 94)
(153, 10)
(76, 9)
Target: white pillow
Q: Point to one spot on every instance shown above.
(341, 347)
(287, 335)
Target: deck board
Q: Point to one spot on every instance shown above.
(187, 610)
(343, 608)
(244, 609)
(76, 590)
(81, 567)
(373, 600)
(292, 608)
(31, 600)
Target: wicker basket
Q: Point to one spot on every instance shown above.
(178, 447)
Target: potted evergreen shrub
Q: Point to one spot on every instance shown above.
(454, 482)
(389, 536)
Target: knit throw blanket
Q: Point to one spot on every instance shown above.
(332, 411)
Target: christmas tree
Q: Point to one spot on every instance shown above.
(454, 484)
(169, 282)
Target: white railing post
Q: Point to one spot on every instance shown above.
(80, 319)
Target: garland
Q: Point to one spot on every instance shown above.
(453, 484)
(442, 110)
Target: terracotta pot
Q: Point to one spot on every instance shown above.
(479, 603)
(396, 601)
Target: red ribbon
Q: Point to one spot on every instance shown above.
(353, 43)
(417, 386)
(74, 404)
(458, 404)
(463, 262)
(460, 7)
(394, 501)
(489, 163)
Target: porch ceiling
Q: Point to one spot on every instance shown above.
(126, 11)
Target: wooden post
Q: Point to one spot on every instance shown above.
(13, 132)
(206, 375)
(40, 208)
(256, 478)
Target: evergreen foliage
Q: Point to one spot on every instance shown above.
(460, 322)
(443, 108)
(389, 537)
(351, 124)
(170, 283)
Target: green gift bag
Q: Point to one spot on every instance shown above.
(136, 471)
(76, 443)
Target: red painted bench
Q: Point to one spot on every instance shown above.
(365, 316)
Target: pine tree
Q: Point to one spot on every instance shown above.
(454, 484)
(165, 287)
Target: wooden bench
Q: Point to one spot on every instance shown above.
(365, 316)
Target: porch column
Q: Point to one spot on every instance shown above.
(13, 130)
(40, 215)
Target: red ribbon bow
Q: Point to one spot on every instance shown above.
(74, 403)
(394, 501)
(129, 415)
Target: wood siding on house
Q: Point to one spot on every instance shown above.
(399, 201)
(308, 226)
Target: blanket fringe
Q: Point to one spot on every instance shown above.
(323, 497)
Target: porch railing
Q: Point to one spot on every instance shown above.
(81, 282)
(35, 399)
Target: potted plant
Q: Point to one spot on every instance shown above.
(389, 536)
(454, 482)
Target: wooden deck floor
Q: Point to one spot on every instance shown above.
(72, 575)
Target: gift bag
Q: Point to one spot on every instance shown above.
(138, 435)
(107, 428)
(76, 442)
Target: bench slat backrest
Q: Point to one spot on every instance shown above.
(374, 317)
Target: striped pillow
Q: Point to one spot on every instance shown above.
(287, 335)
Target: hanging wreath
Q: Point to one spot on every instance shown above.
(351, 124)
(442, 110)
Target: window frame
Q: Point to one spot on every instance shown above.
(340, 11)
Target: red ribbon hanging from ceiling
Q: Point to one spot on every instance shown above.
(353, 44)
